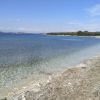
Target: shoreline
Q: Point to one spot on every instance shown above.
(72, 78)
(74, 35)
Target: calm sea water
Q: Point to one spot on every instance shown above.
(24, 57)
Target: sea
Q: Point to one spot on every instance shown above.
(26, 58)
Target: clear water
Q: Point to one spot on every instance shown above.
(27, 57)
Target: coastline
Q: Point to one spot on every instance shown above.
(74, 35)
(80, 82)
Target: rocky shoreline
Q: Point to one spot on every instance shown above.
(81, 82)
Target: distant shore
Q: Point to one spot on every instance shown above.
(79, 33)
(82, 82)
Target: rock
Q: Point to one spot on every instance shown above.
(4, 98)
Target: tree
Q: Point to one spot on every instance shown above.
(79, 33)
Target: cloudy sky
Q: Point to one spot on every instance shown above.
(49, 15)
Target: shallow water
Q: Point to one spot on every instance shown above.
(31, 57)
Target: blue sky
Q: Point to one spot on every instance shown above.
(49, 15)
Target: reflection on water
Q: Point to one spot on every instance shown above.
(28, 56)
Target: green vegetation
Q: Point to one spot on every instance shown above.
(79, 33)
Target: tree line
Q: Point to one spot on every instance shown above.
(79, 33)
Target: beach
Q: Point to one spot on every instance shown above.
(80, 82)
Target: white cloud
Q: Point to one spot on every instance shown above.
(73, 25)
(95, 10)
(91, 27)
(3, 28)
(74, 22)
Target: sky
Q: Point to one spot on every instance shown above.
(49, 15)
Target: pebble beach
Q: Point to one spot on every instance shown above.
(81, 82)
